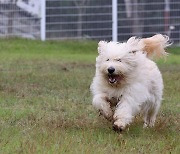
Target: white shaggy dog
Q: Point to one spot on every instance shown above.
(127, 82)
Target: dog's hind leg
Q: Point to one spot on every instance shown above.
(150, 115)
(101, 103)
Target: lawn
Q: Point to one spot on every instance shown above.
(45, 103)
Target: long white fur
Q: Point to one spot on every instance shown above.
(142, 88)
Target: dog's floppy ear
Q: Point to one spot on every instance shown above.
(134, 41)
(155, 45)
(101, 46)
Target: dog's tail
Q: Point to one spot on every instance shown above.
(155, 46)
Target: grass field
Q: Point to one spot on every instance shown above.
(45, 103)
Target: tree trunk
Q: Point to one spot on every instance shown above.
(79, 24)
(80, 4)
(10, 19)
(137, 24)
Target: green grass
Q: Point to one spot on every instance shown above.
(45, 103)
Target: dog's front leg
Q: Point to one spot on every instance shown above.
(101, 103)
(123, 115)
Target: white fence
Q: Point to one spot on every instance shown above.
(89, 19)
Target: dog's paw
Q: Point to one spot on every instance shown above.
(149, 124)
(118, 126)
(117, 129)
(145, 125)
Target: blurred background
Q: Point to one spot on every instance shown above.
(89, 19)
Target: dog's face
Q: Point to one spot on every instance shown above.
(117, 61)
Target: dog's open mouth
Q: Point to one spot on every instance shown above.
(113, 78)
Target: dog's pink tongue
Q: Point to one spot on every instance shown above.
(112, 79)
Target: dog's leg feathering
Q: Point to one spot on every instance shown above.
(123, 115)
(150, 116)
(100, 103)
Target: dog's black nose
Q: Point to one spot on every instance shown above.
(111, 70)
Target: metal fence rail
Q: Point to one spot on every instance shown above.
(147, 18)
(78, 19)
(89, 19)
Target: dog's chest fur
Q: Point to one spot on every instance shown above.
(114, 100)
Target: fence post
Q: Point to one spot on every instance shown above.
(43, 20)
(114, 20)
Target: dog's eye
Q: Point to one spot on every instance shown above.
(134, 51)
(107, 60)
(119, 60)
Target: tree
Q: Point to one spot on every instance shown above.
(80, 4)
(132, 12)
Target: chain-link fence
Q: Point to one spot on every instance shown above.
(89, 19)
(145, 18)
(79, 19)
